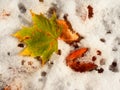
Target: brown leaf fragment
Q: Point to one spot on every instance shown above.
(22, 62)
(67, 21)
(101, 70)
(83, 66)
(90, 11)
(79, 66)
(68, 35)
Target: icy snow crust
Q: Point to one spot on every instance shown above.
(59, 76)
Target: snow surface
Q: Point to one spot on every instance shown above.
(59, 76)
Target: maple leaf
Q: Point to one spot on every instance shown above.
(80, 66)
(41, 38)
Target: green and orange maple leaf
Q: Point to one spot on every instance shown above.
(41, 38)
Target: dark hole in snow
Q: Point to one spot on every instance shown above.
(22, 62)
(53, 9)
(113, 67)
(75, 45)
(114, 64)
(102, 40)
(114, 49)
(90, 11)
(101, 70)
(94, 58)
(38, 57)
(21, 45)
(99, 52)
(51, 63)
(22, 8)
(59, 52)
(109, 32)
(43, 73)
(8, 53)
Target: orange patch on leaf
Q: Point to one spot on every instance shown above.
(67, 35)
(76, 54)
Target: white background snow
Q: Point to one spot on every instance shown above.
(59, 76)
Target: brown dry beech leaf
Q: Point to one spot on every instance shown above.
(68, 35)
(83, 66)
(79, 66)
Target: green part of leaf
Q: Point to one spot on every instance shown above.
(41, 38)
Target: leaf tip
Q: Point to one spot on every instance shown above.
(25, 52)
(32, 13)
